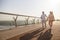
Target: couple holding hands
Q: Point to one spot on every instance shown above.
(50, 19)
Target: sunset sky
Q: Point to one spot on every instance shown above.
(31, 7)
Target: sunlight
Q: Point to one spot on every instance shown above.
(54, 5)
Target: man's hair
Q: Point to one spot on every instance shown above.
(42, 11)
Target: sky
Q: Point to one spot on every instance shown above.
(31, 7)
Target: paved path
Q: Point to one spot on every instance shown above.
(46, 34)
(50, 34)
(56, 31)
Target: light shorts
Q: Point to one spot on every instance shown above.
(43, 21)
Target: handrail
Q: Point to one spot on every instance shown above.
(18, 15)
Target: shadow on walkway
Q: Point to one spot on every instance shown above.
(41, 36)
(45, 36)
(29, 36)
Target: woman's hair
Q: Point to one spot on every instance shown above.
(51, 12)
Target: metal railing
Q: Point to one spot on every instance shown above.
(17, 20)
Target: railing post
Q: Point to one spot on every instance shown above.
(34, 21)
(38, 21)
(15, 21)
(27, 21)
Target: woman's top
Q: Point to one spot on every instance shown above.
(51, 17)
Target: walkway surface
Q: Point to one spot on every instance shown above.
(56, 31)
(32, 32)
(50, 34)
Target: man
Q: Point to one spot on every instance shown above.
(43, 19)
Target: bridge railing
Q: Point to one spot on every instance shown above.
(9, 19)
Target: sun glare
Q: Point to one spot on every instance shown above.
(54, 5)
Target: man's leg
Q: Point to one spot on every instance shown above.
(42, 24)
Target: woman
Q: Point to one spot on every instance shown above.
(51, 19)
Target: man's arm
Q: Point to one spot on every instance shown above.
(45, 15)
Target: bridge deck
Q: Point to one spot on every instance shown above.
(32, 32)
(18, 31)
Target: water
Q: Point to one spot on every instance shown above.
(10, 24)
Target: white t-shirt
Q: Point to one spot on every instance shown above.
(43, 17)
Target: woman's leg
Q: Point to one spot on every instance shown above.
(49, 23)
